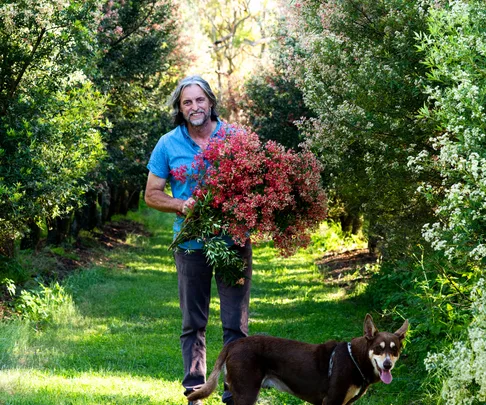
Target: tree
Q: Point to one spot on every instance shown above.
(453, 50)
(357, 66)
(82, 101)
(50, 114)
(238, 35)
(272, 102)
(138, 69)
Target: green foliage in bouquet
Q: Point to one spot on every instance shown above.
(204, 225)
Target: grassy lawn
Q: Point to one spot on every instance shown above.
(116, 341)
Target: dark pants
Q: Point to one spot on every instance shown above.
(194, 275)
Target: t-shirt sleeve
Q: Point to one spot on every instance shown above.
(158, 163)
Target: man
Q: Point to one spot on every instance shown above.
(194, 110)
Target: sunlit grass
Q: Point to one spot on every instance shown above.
(94, 387)
(117, 342)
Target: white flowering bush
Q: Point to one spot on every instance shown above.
(462, 369)
(357, 66)
(455, 52)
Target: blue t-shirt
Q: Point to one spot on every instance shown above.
(173, 150)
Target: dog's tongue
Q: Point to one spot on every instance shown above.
(386, 376)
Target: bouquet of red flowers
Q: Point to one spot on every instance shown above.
(249, 189)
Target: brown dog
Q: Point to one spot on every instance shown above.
(332, 373)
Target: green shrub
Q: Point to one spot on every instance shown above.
(273, 106)
(462, 369)
(454, 51)
(44, 304)
(50, 112)
(330, 237)
(13, 270)
(357, 66)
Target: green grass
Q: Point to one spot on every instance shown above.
(117, 340)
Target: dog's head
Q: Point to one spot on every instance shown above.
(383, 348)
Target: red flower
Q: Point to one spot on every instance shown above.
(180, 173)
(253, 189)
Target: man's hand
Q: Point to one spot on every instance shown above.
(187, 205)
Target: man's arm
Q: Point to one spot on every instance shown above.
(157, 198)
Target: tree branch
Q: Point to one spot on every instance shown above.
(28, 61)
(234, 27)
(136, 27)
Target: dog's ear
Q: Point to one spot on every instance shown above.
(370, 329)
(402, 331)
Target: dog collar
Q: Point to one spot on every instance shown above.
(365, 380)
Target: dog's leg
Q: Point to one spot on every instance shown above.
(339, 397)
(244, 387)
(248, 397)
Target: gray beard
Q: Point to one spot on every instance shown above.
(201, 121)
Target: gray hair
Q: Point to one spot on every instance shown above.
(175, 98)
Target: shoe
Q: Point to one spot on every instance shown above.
(227, 398)
(196, 402)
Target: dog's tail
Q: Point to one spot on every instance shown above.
(212, 382)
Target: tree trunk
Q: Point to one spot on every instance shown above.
(350, 223)
(114, 201)
(134, 200)
(31, 240)
(87, 216)
(104, 199)
(58, 230)
(124, 201)
(7, 246)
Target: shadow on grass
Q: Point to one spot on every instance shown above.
(129, 319)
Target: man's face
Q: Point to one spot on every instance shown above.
(195, 105)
